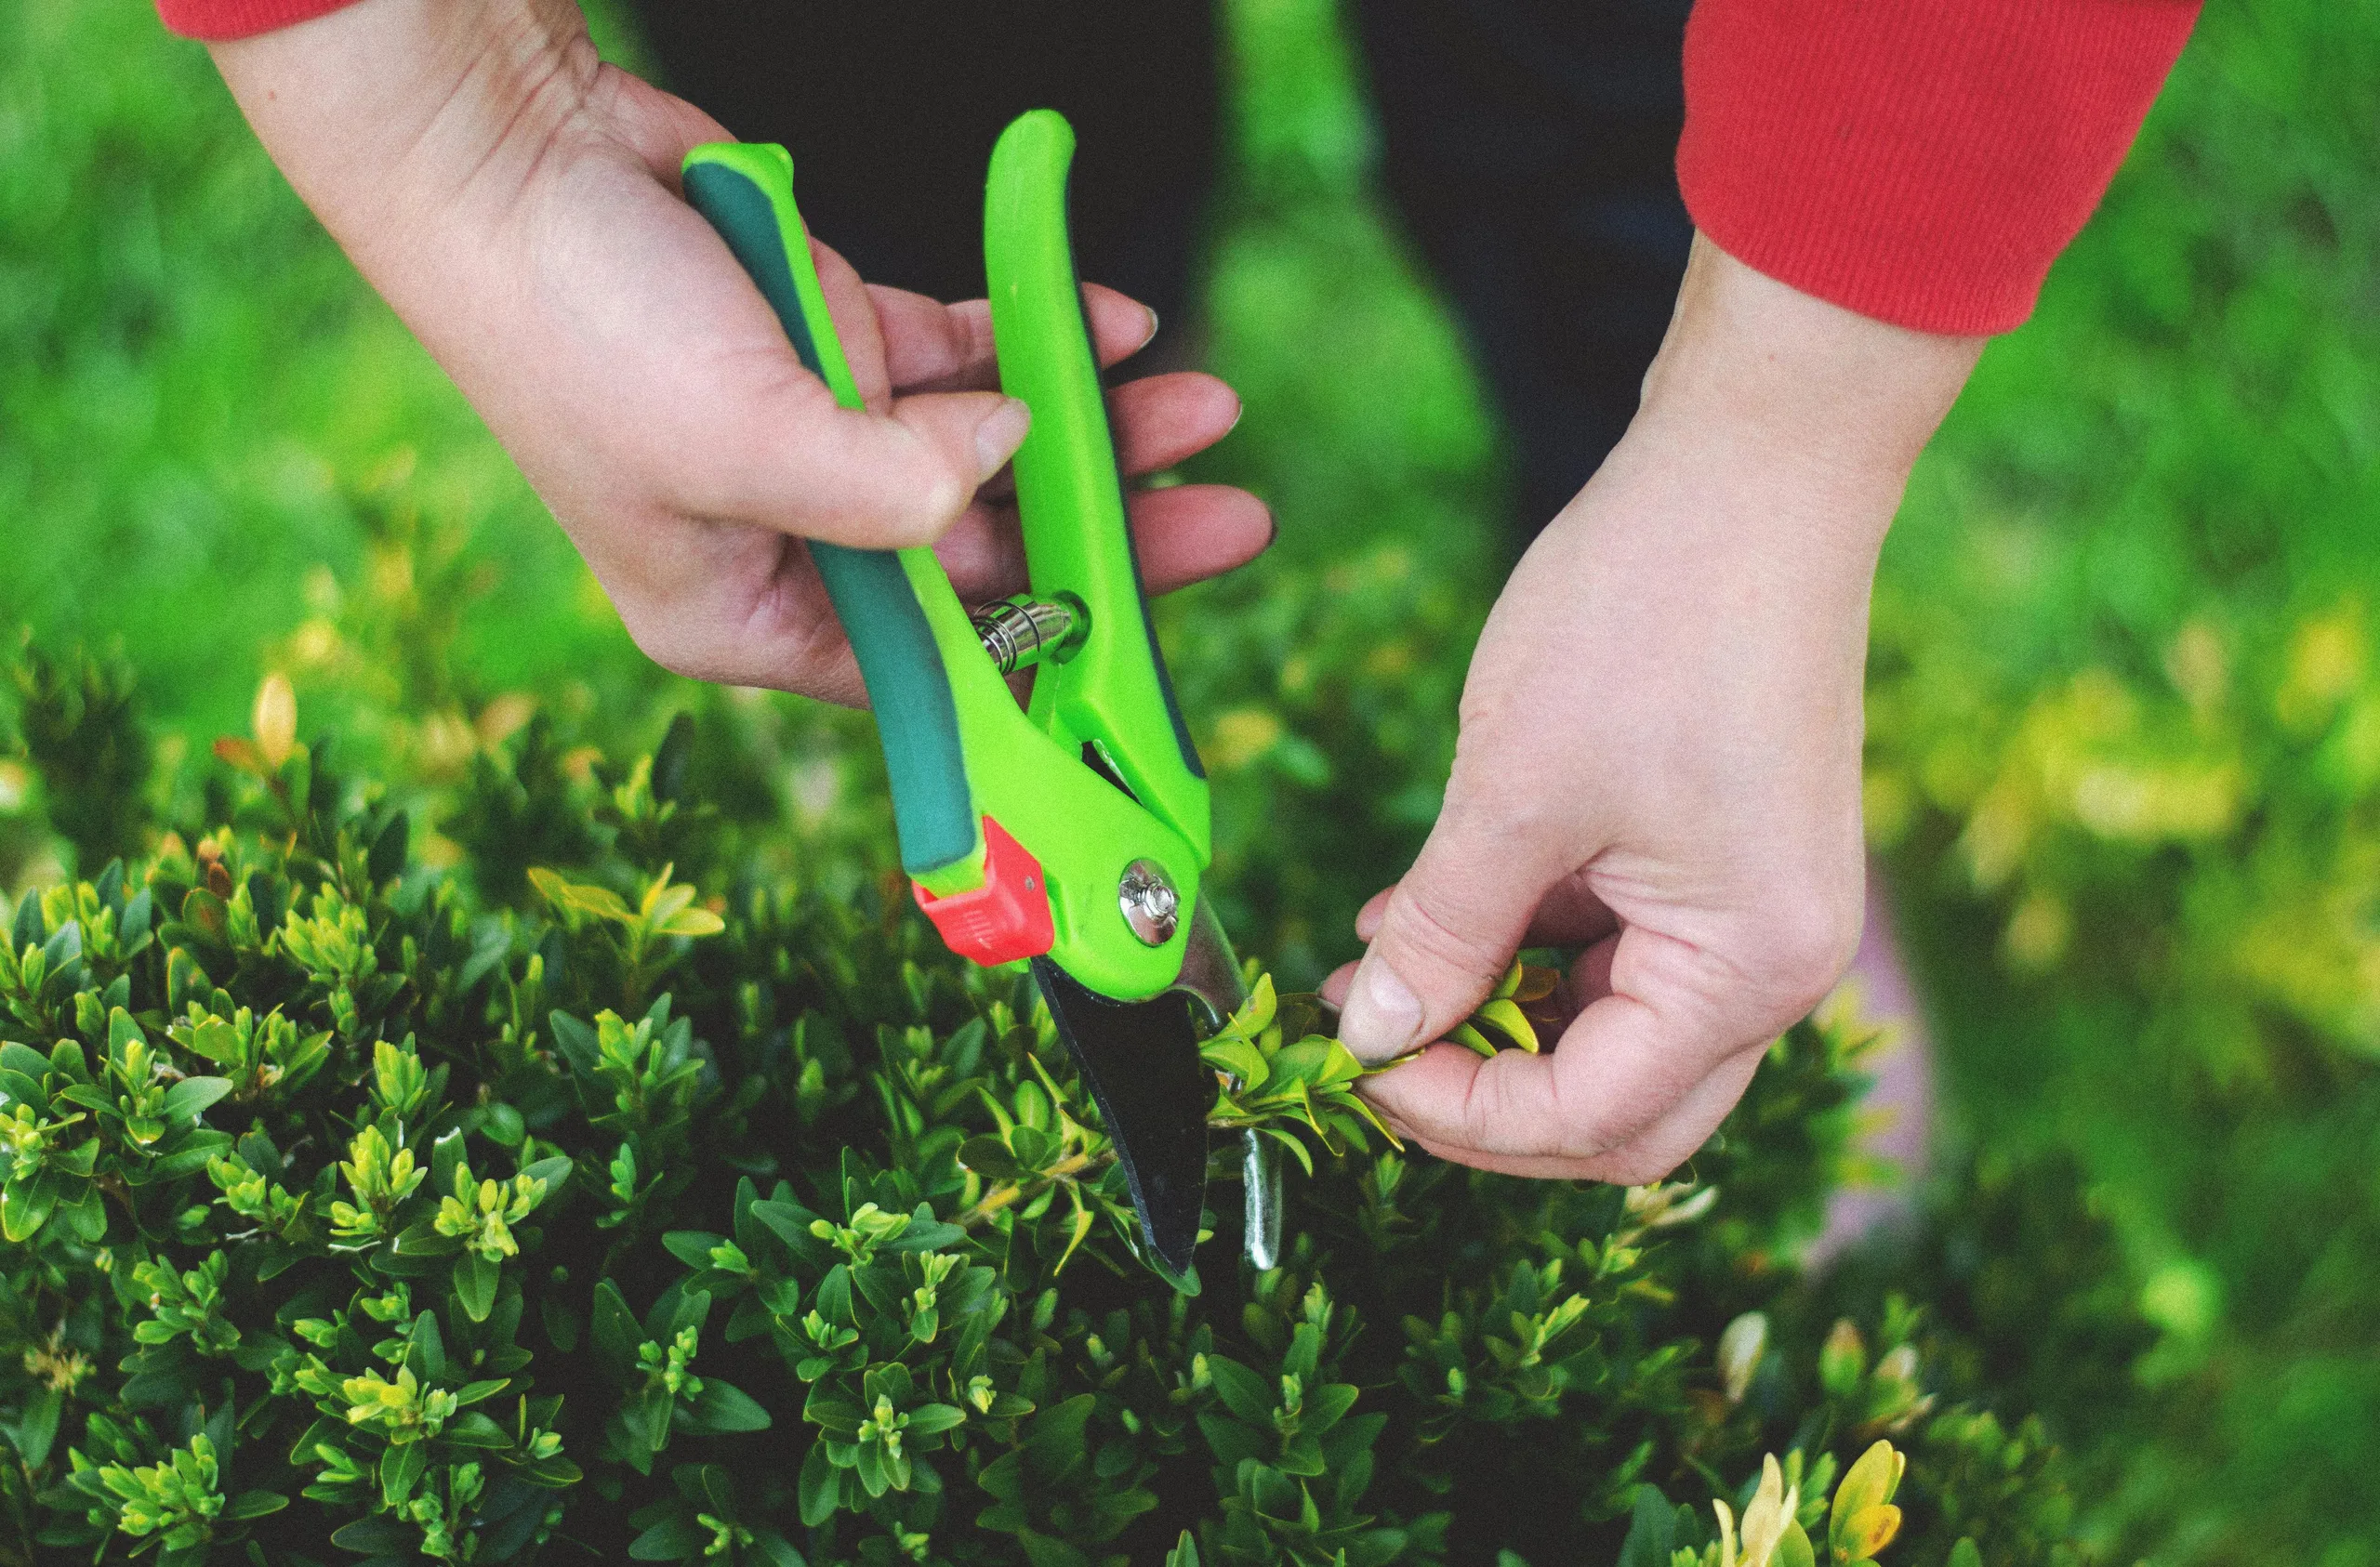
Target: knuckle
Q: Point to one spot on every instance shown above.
(1418, 923)
(661, 642)
(938, 502)
(1807, 945)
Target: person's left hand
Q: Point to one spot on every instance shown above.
(1659, 753)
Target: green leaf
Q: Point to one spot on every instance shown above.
(37, 1427)
(1871, 1483)
(1246, 1394)
(425, 1351)
(1294, 1143)
(421, 1239)
(1237, 1057)
(577, 1040)
(122, 1032)
(1471, 1038)
(1298, 1063)
(1652, 1530)
(820, 1487)
(989, 1157)
(554, 1171)
(1186, 1553)
(387, 860)
(1508, 1020)
(1255, 1014)
(401, 1467)
(1077, 1230)
(475, 1429)
(1041, 1551)
(691, 922)
(25, 1206)
(381, 1535)
(445, 1158)
(775, 1550)
(191, 1149)
(675, 1538)
(721, 1408)
(475, 1282)
(254, 1504)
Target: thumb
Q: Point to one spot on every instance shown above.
(1447, 936)
(870, 480)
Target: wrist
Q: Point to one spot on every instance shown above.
(1797, 393)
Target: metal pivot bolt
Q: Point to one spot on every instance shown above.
(1151, 905)
(1023, 631)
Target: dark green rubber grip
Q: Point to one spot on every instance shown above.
(907, 685)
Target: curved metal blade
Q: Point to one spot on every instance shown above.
(1141, 1059)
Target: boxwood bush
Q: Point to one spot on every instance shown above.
(374, 1191)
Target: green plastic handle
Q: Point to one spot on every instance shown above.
(746, 191)
(956, 747)
(1115, 694)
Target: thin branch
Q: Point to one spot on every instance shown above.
(1011, 1192)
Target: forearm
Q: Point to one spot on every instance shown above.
(398, 119)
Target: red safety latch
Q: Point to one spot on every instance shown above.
(1005, 919)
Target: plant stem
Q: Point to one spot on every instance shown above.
(1011, 1192)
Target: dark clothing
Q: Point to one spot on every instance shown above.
(890, 108)
(1527, 144)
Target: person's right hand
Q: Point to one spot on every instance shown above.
(516, 200)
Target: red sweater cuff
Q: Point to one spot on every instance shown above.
(1918, 161)
(218, 20)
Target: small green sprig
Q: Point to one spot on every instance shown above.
(1279, 1067)
(648, 935)
(481, 1213)
(380, 1175)
(176, 1501)
(1500, 1023)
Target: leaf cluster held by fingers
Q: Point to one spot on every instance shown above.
(1500, 1023)
(1278, 1069)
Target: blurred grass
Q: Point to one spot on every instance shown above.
(194, 387)
(2125, 703)
(2124, 743)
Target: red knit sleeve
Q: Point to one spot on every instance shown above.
(218, 20)
(1919, 160)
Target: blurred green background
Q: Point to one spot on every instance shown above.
(2124, 755)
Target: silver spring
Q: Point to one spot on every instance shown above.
(1021, 632)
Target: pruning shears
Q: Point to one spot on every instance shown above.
(1072, 832)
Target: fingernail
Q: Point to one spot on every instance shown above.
(1150, 336)
(1383, 1017)
(999, 435)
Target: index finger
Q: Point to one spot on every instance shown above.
(932, 346)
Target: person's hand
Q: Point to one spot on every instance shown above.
(517, 202)
(1659, 752)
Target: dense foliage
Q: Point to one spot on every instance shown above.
(672, 1209)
